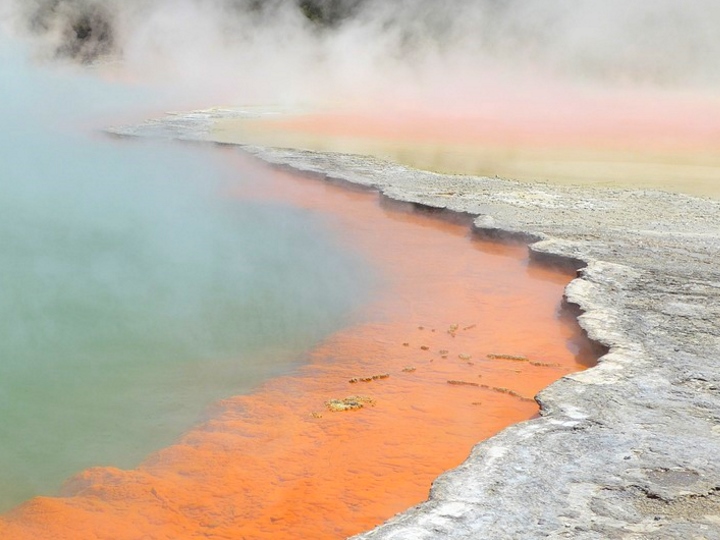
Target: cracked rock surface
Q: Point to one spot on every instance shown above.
(629, 449)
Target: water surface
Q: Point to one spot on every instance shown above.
(463, 335)
(665, 142)
(133, 292)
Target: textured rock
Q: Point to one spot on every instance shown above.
(628, 449)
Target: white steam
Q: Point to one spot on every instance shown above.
(254, 51)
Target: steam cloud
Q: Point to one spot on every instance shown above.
(302, 50)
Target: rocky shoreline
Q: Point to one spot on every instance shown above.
(628, 449)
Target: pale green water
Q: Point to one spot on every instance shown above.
(132, 295)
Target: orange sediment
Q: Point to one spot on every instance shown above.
(459, 339)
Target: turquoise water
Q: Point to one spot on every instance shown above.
(132, 294)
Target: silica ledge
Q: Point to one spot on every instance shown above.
(627, 449)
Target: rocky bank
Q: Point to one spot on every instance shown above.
(628, 449)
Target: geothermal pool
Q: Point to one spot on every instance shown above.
(177, 320)
(458, 337)
(134, 293)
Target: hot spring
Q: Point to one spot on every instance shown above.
(177, 322)
(134, 293)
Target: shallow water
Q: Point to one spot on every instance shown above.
(666, 143)
(133, 292)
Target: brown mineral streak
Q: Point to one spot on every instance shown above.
(277, 463)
